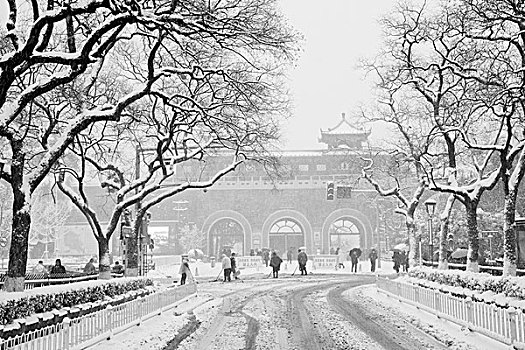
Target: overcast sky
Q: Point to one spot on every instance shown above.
(325, 82)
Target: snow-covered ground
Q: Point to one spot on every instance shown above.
(212, 318)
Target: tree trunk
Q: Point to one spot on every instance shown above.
(104, 260)
(443, 233)
(16, 270)
(473, 238)
(132, 256)
(412, 244)
(509, 236)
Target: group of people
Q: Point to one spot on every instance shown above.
(276, 262)
(229, 266)
(400, 260)
(58, 268)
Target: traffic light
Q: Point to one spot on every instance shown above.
(330, 188)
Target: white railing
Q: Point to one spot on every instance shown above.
(506, 325)
(89, 329)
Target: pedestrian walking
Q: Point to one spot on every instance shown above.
(234, 266)
(373, 257)
(396, 260)
(404, 261)
(90, 266)
(184, 271)
(266, 256)
(302, 259)
(227, 268)
(289, 255)
(354, 258)
(275, 263)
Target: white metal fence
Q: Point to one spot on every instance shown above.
(503, 324)
(89, 329)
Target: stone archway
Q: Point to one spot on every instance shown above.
(349, 221)
(285, 226)
(226, 219)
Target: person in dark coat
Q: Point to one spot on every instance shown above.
(396, 259)
(354, 259)
(373, 257)
(90, 266)
(184, 271)
(275, 263)
(117, 268)
(58, 267)
(302, 259)
(234, 266)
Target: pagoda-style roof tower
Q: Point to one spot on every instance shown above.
(345, 135)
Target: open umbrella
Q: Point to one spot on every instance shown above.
(357, 252)
(400, 247)
(195, 254)
(459, 253)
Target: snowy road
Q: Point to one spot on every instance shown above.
(292, 313)
(332, 312)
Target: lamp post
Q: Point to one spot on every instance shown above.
(430, 205)
(490, 236)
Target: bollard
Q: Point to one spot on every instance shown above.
(196, 271)
(212, 259)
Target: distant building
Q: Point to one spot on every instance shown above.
(250, 210)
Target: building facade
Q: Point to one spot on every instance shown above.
(318, 202)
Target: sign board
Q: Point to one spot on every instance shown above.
(324, 261)
(248, 261)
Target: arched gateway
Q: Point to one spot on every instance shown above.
(227, 228)
(346, 228)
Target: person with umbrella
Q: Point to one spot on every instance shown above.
(355, 253)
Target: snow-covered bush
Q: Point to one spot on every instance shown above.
(13, 309)
(480, 282)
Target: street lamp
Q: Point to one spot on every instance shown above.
(490, 236)
(430, 205)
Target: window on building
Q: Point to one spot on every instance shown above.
(303, 167)
(345, 166)
(321, 167)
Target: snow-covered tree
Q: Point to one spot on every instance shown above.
(54, 58)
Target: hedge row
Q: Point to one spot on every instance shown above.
(480, 282)
(11, 310)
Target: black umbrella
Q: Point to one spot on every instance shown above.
(357, 251)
